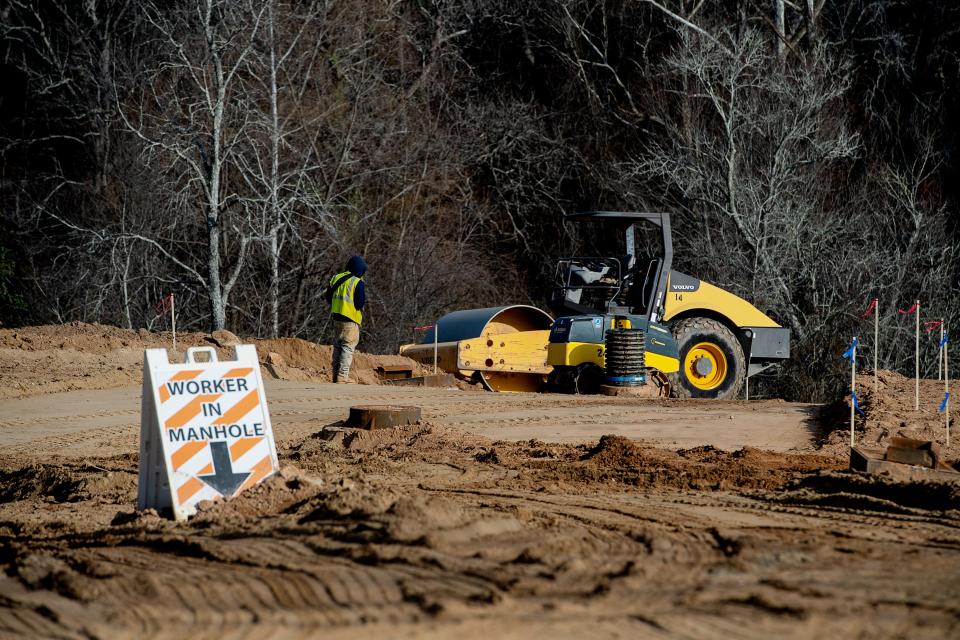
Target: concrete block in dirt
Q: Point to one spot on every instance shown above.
(874, 462)
(381, 417)
(912, 451)
(394, 372)
(439, 381)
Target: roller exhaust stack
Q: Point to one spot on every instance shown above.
(505, 347)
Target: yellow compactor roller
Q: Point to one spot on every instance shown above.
(505, 348)
(700, 340)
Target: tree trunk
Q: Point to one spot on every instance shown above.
(126, 290)
(274, 186)
(217, 315)
(217, 306)
(810, 16)
(779, 22)
(274, 285)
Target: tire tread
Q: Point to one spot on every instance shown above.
(699, 325)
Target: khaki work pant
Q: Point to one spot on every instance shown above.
(348, 337)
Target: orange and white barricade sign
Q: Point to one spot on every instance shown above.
(205, 430)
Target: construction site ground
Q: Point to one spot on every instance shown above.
(500, 515)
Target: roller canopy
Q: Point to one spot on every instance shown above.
(628, 217)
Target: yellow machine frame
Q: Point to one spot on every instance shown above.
(737, 311)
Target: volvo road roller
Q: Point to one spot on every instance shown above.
(700, 341)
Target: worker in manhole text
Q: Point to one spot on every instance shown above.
(346, 296)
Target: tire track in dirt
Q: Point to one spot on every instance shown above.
(279, 584)
(284, 585)
(88, 442)
(856, 517)
(33, 421)
(630, 555)
(433, 530)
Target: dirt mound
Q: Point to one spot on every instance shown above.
(67, 482)
(298, 359)
(273, 496)
(704, 468)
(888, 411)
(80, 336)
(874, 492)
(374, 448)
(51, 358)
(534, 464)
(616, 452)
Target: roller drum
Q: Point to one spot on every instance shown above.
(455, 330)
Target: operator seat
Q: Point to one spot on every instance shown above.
(650, 281)
(643, 279)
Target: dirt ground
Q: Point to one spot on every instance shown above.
(507, 516)
(78, 355)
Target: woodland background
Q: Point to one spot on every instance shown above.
(237, 152)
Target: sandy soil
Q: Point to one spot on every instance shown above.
(500, 516)
(888, 410)
(85, 423)
(48, 359)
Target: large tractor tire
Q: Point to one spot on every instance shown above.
(712, 364)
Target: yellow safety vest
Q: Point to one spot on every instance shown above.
(342, 302)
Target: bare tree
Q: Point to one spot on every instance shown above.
(260, 144)
(750, 158)
(193, 135)
(277, 163)
(67, 53)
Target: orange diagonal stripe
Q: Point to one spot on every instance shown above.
(239, 372)
(257, 473)
(242, 408)
(241, 446)
(180, 375)
(188, 489)
(189, 411)
(187, 451)
(187, 374)
(207, 469)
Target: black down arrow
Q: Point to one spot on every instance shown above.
(223, 479)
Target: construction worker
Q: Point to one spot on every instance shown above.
(346, 296)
